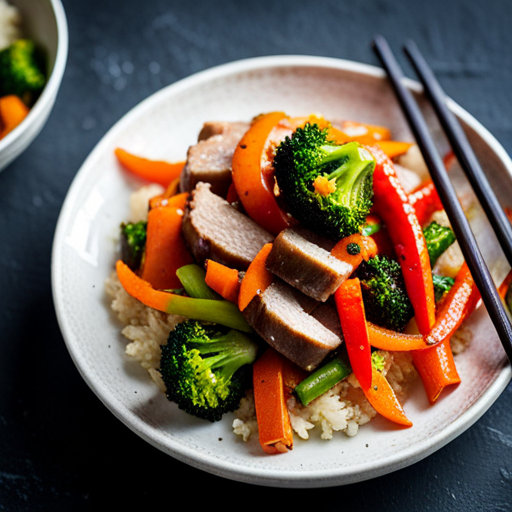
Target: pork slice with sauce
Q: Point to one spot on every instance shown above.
(211, 158)
(278, 316)
(213, 229)
(303, 260)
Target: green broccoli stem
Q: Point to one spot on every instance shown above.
(192, 278)
(233, 350)
(321, 380)
(221, 312)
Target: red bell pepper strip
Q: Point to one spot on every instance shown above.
(349, 303)
(426, 201)
(253, 173)
(393, 207)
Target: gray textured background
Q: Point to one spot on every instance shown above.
(60, 449)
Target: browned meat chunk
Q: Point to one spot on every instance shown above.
(214, 230)
(278, 317)
(303, 260)
(210, 159)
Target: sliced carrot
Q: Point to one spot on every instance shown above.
(224, 280)
(383, 399)
(436, 368)
(393, 148)
(458, 304)
(165, 250)
(177, 201)
(208, 310)
(170, 191)
(12, 112)
(155, 171)
(349, 304)
(368, 248)
(365, 133)
(274, 426)
(253, 172)
(386, 339)
(256, 279)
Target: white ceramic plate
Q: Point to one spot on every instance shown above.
(162, 127)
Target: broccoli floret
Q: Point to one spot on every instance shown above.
(22, 71)
(438, 239)
(385, 298)
(133, 243)
(442, 284)
(325, 186)
(207, 371)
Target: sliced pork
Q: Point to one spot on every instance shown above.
(210, 159)
(303, 260)
(213, 229)
(278, 316)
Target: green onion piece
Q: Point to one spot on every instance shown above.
(192, 278)
(322, 380)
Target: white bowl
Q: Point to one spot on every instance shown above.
(162, 127)
(45, 22)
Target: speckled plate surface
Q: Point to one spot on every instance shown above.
(162, 127)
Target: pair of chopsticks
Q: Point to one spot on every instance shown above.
(469, 163)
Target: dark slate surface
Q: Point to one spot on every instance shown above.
(60, 448)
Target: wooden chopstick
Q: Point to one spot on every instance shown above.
(446, 191)
(462, 150)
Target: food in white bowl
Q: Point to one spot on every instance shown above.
(162, 128)
(33, 51)
(328, 249)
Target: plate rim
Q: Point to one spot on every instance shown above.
(280, 477)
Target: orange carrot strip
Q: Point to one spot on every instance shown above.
(436, 368)
(207, 310)
(223, 280)
(365, 133)
(386, 339)
(366, 243)
(253, 173)
(256, 279)
(170, 191)
(274, 426)
(177, 201)
(165, 251)
(155, 171)
(458, 304)
(349, 304)
(393, 148)
(12, 113)
(383, 399)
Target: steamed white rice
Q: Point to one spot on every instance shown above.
(10, 24)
